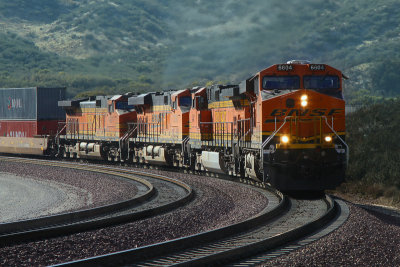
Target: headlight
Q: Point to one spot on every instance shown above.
(328, 138)
(285, 139)
(304, 101)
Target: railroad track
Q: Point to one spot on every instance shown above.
(242, 244)
(285, 220)
(257, 259)
(156, 194)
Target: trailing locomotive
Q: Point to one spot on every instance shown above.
(285, 125)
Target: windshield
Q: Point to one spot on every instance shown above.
(324, 84)
(185, 101)
(123, 105)
(321, 82)
(281, 82)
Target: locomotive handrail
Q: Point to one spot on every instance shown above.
(241, 137)
(86, 130)
(245, 134)
(147, 130)
(347, 147)
(265, 143)
(60, 131)
(57, 137)
(123, 139)
(184, 143)
(221, 132)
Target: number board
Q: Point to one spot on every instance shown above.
(284, 67)
(317, 67)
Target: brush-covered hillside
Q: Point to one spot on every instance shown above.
(372, 135)
(148, 45)
(374, 143)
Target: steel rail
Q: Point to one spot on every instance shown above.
(247, 244)
(259, 259)
(278, 205)
(19, 226)
(200, 250)
(71, 222)
(112, 167)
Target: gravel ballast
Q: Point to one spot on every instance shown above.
(83, 189)
(27, 198)
(218, 203)
(366, 239)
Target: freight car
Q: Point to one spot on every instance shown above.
(29, 117)
(285, 125)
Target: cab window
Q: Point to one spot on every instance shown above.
(281, 82)
(185, 101)
(324, 84)
(321, 82)
(123, 105)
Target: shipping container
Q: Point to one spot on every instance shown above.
(28, 128)
(31, 104)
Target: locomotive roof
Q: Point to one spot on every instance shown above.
(178, 92)
(218, 93)
(116, 97)
(298, 65)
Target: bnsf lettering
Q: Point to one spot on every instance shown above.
(334, 111)
(306, 112)
(278, 112)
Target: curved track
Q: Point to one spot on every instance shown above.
(282, 221)
(288, 220)
(156, 194)
(277, 206)
(341, 217)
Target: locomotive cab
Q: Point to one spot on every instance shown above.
(303, 126)
(200, 120)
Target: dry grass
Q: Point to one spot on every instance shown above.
(378, 194)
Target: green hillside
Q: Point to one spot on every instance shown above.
(142, 45)
(359, 37)
(374, 143)
(98, 46)
(34, 10)
(372, 135)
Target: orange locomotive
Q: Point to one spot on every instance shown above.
(161, 128)
(285, 125)
(94, 128)
(303, 126)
